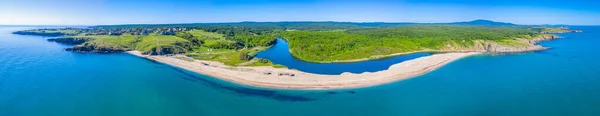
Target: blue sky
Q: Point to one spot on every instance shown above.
(100, 12)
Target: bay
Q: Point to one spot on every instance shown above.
(40, 78)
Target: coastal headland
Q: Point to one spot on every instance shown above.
(284, 78)
(227, 51)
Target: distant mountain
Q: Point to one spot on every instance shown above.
(484, 23)
(309, 25)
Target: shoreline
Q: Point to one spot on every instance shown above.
(491, 48)
(258, 77)
(375, 57)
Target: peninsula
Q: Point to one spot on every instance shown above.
(226, 50)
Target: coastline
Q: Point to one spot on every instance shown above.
(283, 78)
(258, 77)
(381, 56)
(480, 46)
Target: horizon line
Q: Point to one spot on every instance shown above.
(270, 22)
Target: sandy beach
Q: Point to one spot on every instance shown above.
(257, 76)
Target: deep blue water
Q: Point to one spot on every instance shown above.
(40, 78)
(280, 54)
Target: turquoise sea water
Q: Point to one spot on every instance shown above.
(40, 78)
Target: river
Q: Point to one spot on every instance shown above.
(40, 78)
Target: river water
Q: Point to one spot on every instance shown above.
(280, 54)
(40, 78)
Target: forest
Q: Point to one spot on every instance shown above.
(309, 41)
(351, 44)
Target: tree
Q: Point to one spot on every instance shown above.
(244, 56)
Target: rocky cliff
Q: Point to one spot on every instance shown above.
(87, 45)
(38, 33)
(523, 45)
(165, 50)
(95, 47)
(562, 31)
(69, 40)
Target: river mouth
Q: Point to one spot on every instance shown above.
(280, 54)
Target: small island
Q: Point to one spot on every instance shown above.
(227, 50)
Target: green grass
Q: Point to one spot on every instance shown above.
(217, 48)
(553, 30)
(226, 56)
(279, 66)
(115, 42)
(220, 44)
(70, 32)
(511, 43)
(81, 34)
(147, 43)
(127, 41)
(49, 31)
(335, 30)
(258, 63)
(206, 35)
(130, 42)
(210, 50)
(265, 62)
(255, 50)
(64, 31)
(231, 58)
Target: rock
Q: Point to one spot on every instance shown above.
(69, 40)
(38, 33)
(93, 47)
(492, 47)
(165, 50)
(82, 46)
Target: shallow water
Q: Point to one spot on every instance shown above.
(40, 78)
(280, 54)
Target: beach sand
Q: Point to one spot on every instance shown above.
(256, 76)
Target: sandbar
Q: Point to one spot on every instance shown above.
(281, 78)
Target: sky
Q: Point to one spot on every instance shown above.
(108, 12)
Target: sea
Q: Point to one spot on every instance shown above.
(40, 78)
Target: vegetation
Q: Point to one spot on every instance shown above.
(238, 43)
(48, 32)
(203, 35)
(161, 44)
(545, 29)
(250, 41)
(125, 41)
(265, 62)
(63, 31)
(226, 56)
(230, 57)
(221, 44)
(321, 46)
